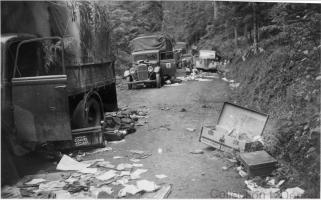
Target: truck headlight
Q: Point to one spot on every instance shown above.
(150, 68)
(132, 70)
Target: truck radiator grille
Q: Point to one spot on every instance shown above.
(142, 72)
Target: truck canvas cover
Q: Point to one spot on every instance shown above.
(207, 54)
(152, 42)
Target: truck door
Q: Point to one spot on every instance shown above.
(167, 63)
(39, 92)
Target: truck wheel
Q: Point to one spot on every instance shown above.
(87, 115)
(128, 79)
(158, 81)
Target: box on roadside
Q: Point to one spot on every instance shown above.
(258, 163)
(236, 127)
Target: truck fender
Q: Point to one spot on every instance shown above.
(157, 69)
(126, 73)
(96, 95)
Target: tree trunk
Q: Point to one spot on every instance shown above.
(255, 34)
(235, 36)
(215, 10)
(245, 32)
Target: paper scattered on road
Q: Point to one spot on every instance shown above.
(91, 162)
(191, 129)
(242, 173)
(95, 191)
(117, 142)
(67, 163)
(136, 174)
(161, 176)
(51, 186)
(118, 157)
(130, 189)
(173, 85)
(147, 186)
(134, 160)
(100, 150)
(107, 175)
(35, 181)
(137, 165)
(124, 173)
(88, 170)
(224, 168)
(203, 79)
(137, 151)
(123, 166)
(160, 150)
(292, 193)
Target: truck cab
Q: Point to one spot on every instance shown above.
(152, 61)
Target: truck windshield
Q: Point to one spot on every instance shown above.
(149, 57)
(39, 58)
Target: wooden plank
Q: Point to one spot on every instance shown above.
(162, 193)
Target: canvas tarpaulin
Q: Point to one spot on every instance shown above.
(154, 42)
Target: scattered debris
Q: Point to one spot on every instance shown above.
(162, 193)
(160, 150)
(95, 191)
(137, 165)
(99, 150)
(118, 157)
(259, 192)
(35, 181)
(191, 129)
(160, 176)
(134, 160)
(67, 163)
(147, 186)
(242, 173)
(117, 142)
(224, 168)
(136, 174)
(131, 189)
(10, 192)
(107, 175)
(136, 154)
(197, 151)
(183, 110)
(175, 84)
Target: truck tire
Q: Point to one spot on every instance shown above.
(158, 81)
(128, 79)
(87, 115)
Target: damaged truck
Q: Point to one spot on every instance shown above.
(57, 71)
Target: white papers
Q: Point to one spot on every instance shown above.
(160, 176)
(107, 175)
(88, 170)
(125, 173)
(117, 157)
(67, 163)
(136, 174)
(137, 165)
(91, 162)
(134, 160)
(123, 166)
(35, 181)
(145, 185)
(131, 189)
(95, 191)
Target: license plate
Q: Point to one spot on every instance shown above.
(81, 141)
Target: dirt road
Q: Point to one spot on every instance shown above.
(166, 137)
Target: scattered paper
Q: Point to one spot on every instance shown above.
(260, 192)
(62, 194)
(118, 157)
(136, 174)
(134, 160)
(124, 173)
(35, 181)
(137, 165)
(161, 176)
(280, 183)
(145, 185)
(123, 181)
(175, 84)
(190, 129)
(91, 162)
(131, 189)
(106, 164)
(71, 180)
(95, 191)
(202, 79)
(100, 150)
(242, 173)
(107, 175)
(67, 163)
(224, 168)
(292, 193)
(88, 170)
(50, 186)
(137, 151)
(160, 150)
(123, 166)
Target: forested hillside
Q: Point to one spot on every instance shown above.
(275, 51)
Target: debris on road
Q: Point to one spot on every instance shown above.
(130, 189)
(35, 181)
(99, 150)
(259, 192)
(183, 110)
(191, 129)
(160, 176)
(67, 163)
(162, 193)
(197, 151)
(136, 174)
(107, 175)
(136, 154)
(10, 192)
(160, 150)
(147, 186)
(174, 85)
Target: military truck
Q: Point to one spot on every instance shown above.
(152, 61)
(57, 73)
